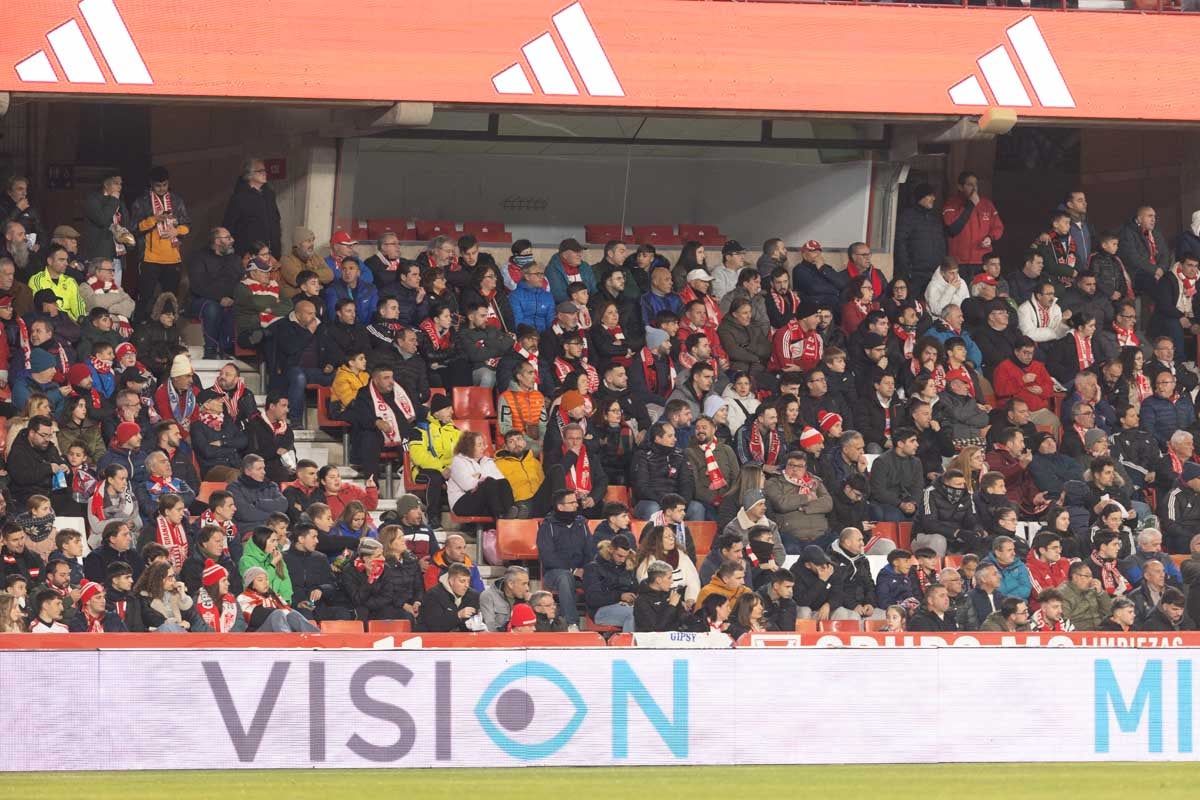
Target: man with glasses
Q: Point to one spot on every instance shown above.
(214, 275)
(1164, 361)
(532, 304)
(252, 214)
(546, 611)
(860, 264)
(1122, 332)
(1041, 318)
(34, 461)
(385, 265)
(1167, 410)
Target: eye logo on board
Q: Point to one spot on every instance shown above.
(507, 710)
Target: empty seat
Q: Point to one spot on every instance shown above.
(617, 494)
(378, 227)
(840, 625)
(704, 234)
(360, 229)
(481, 426)
(389, 626)
(806, 626)
(874, 625)
(473, 402)
(703, 534)
(341, 626)
(489, 232)
(602, 234)
(207, 488)
(654, 234)
(429, 228)
(517, 539)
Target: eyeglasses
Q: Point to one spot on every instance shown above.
(1126, 316)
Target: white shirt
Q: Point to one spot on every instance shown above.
(1030, 321)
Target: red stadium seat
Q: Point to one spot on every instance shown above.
(617, 494)
(602, 234)
(840, 626)
(378, 227)
(953, 561)
(517, 539)
(591, 625)
(481, 426)
(806, 626)
(898, 532)
(429, 228)
(704, 234)
(621, 640)
(488, 232)
(874, 625)
(703, 534)
(360, 230)
(655, 235)
(411, 484)
(389, 626)
(341, 626)
(473, 402)
(207, 488)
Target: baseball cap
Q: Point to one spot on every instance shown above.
(699, 275)
(570, 244)
(341, 237)
(731, 247)
(811, 245)
(983, 277)
(814, 555)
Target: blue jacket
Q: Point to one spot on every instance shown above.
(942, 333)
(823, 286)
(532, 306)
(105, 384)
(563, 546)
(892, 587)
(557, 278)
(1014, 579)
(337, 270)
(366, 299)
(1161, 418)
(654, 304)
(134, 461)
(24, 386)
(112, 623)
(1132, 567)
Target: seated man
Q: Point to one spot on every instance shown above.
(1047, 567)
(497, 601)
(799, 501)
(1150, 548)
(1050, 617)
(1168, 410)
(256, 497)
(270, 435)
(779, 607)
(160, 481)
(1149, 592)
(1040, 318)
(726, 547)
(210, 546)
(218, 438)
(1011, 459)
(933, 617)
(1085, 602)
(521, 467)
(577, 467)
(661, 469)
(382, 417)
(897, 481)
(1011, 617)
(852, 574)
(1170, 615)
(817, 595)
(1014, 575)
(564, 549)
(1024, 378)
(431, 451)
(609, 588)
(317, 592)
(982, 601)
(946, 516)
(657, 607)
(451, 605)
(729, 581)
(1103, 563)
(760, 440)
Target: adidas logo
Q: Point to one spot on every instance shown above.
(74, 55)
(549, 68)
(1003, 79)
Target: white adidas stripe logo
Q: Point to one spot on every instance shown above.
(74, 54)
(1002, 77)
(549, 69)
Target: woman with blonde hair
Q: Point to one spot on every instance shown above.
(970, 462)
(657, 543)
(38, 405)
(12, 618)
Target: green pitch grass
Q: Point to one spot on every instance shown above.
(953, 782)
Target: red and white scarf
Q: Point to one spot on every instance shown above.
(1110, 575)
(1040, 623)
(716, 480)
(440, 341)
(786, 303)
(27, 348)
(1187, 286)
(96, 503)
(579, 476)
(1043, 313)
(1126, 338)
(208, 518)
(806, 484)
(650, 373)
(232, 398)
(710, 305)
(764, 453)
(618, 335)
(174, 538)
(220, 620)
(214, 421)
(162, 205)
(1142, 385)
(937, 374)
(530, 356)
(250, 600)
(1176, 462)
(1064, 251)
(807, 350)
(268, 289)
(371, 569)
(907, 337)
(563, 368)
(92, 624)
(384, 412)
(1083, 350)
(1151, 245)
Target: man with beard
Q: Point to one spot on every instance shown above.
(774, 256)
(214, 275)
(162, 220)
(15, 207)
(303, 256)
(16, 247)
(614, 385)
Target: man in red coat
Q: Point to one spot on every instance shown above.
(797, 346)
(972, 224)
(1010, 458)
(1026, 379)
(1047, 567)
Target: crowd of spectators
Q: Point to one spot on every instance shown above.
(1036, 436)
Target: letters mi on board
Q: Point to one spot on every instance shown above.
(1130, 705)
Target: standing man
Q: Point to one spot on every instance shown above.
(252, 214)
(972, 223)
(214, 275)
(15, 207)
(106, 223)
(1143, 249)
(1075, 205)
(920, 241)
(162, 220)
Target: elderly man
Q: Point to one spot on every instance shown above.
(385, 264)
(1041, 318)
(160, 481)
(106, 220)
(252, 214)
(1168, 410)
(982, 601)
(1150, 548)
(213, 277)
(303, 256)
(258, 304)
(497, 601)
(1144, 250)
(852, 572)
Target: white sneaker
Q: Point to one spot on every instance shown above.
(572, 629)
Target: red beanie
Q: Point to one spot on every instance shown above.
(125, 432)
(827, 419)
(522, 615)
(811, 437)
(213, 572)
(88, 590)
(77, 374)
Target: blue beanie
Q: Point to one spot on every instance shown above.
(40, 360)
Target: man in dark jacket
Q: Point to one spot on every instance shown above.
(981, 601)
(660, 468)
(933, 617)
(609, 586)
(93, 608)
(920, 240)
(852, 575)
(947, 516)
(896, 479)
(341, 337)
(817, 596)
(256, 497)
(1144, 249)
(102, 209)
(116, 545)
(217, 437)
(1170, 614)
(372, 430)
(271, 436)
(33, 461)
(450, 604)
(815, 280)
(210, 544)
(1181, 517)
(563, 550)
(252, 214)
(17, 559)
(629, 310)
(483, 345)
(657, 607)
(213, 276)
(779, 607)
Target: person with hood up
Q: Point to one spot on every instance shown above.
(920, 239)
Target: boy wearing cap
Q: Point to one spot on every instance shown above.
(94, 616)
(566, 267)
(432, 450)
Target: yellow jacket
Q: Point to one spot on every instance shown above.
(157, 249)
(524, 474)
(66, 290)
(434, 449)
(346, 385)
